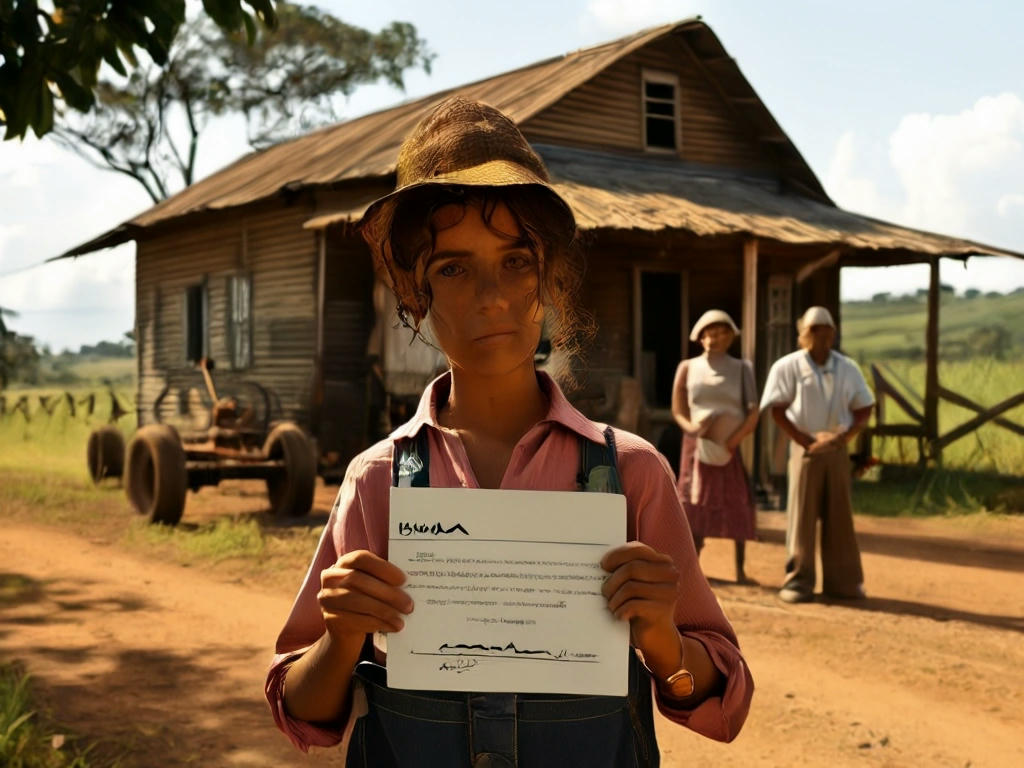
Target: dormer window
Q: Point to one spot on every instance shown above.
(661, 111)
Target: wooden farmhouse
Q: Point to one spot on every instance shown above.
(689, 191)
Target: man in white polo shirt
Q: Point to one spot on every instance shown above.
(820, 400)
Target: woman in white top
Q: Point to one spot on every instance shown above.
(714, 401)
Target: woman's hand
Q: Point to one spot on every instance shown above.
(361, 593)
(642, 588)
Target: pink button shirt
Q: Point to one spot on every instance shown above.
(546, 458)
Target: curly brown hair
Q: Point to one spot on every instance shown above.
(403, 237)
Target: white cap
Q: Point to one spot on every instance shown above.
(815, 316)
(711, 317)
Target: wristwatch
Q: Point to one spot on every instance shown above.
(680, 684)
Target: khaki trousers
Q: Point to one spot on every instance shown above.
(819, 487)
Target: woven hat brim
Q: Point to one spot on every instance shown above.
(495, 173)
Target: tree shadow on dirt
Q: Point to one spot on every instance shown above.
(155, 707)
(26, 601)
(938, 613)
(139, 702)
(948, 551)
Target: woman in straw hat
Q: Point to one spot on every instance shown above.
(477, 245)
(714, 401)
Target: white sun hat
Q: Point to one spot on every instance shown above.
(815, 316)
(711, 317)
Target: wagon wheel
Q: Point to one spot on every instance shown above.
(291, 493)
(105, 453)
(156, 474)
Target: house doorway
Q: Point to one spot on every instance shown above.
(659, 322)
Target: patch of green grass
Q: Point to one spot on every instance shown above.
(223, 539)
(937, 492)
(27, 740)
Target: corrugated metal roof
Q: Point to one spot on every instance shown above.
(616, 192)
(367, 147)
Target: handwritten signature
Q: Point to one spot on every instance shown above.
(458, 666)
(508, 648)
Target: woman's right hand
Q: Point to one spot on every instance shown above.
(360, 594)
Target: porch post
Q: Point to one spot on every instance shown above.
(931, 381)
(748, 323)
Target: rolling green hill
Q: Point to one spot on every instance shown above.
(985, 326)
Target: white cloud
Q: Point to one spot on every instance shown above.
(846, 183)
(1007, 203)
(953, 167)
(632, 15)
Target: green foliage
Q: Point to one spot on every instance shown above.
(214, 542)
(18, 354)
(284, 82)
(53, 53)
(24, 741)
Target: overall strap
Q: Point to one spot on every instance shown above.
(598, 470)
(410, 463)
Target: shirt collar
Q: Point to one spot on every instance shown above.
(828, 367)
(560, 410)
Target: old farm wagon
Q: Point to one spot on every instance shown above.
(691, 194)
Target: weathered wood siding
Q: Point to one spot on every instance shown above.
(269, 245)
(343, 421)
(606, 112)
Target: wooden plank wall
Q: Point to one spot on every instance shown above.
(269, 245)
(605, 113)
(714, 280)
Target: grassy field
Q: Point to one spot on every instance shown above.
(895, 330)
(57, 441)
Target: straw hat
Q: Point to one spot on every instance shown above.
(461, 143)
(815, 316)
(711, 317)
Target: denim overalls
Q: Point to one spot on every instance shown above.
(439, 729)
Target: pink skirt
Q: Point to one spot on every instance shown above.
(724, 507)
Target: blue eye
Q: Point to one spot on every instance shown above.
(450, 269)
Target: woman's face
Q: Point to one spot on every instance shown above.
(716, 337)
(485, 308)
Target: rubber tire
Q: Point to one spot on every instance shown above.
(156, 478)
(292, 494)
(105, 453)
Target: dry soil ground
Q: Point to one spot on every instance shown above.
(164, 664)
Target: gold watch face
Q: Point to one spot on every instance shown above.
(680, 684)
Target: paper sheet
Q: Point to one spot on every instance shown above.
(507, 591)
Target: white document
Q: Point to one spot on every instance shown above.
(507, 591)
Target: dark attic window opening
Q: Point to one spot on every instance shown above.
(661, 130)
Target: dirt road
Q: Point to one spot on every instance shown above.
(165, 664)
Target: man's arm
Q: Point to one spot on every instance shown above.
(860, 419)
(800, 438)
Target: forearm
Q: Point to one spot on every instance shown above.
(787, 426)
(748, 426)
(860, 419)
(317, 685)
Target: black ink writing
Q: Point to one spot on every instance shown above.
(458, 666)
(405, 528)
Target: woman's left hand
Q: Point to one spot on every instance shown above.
(642, 588)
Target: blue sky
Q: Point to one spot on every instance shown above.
(911, 112)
